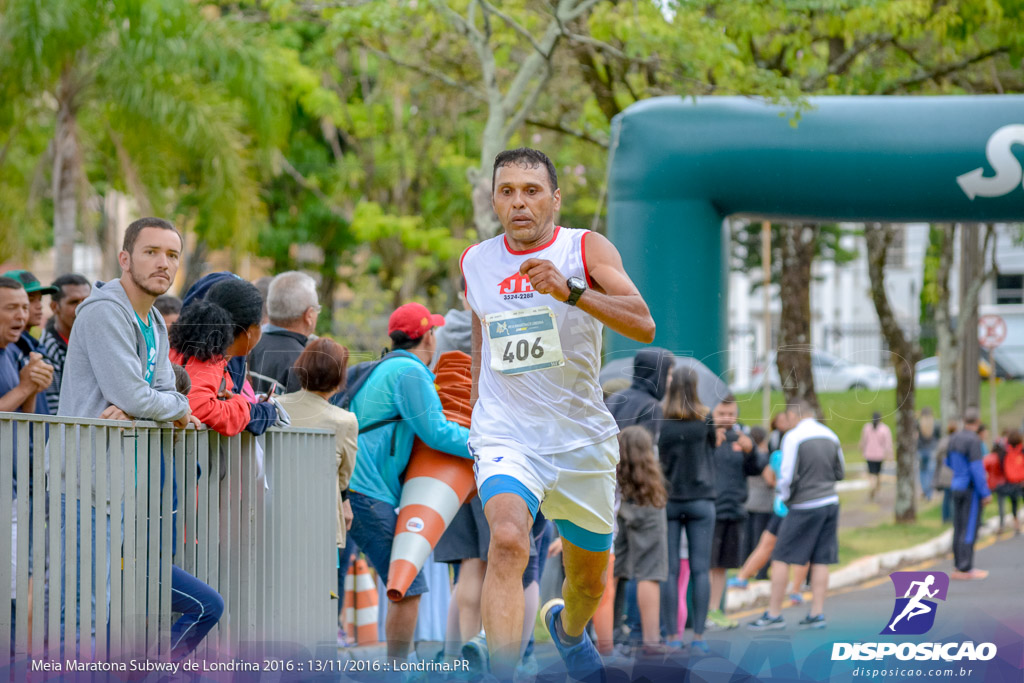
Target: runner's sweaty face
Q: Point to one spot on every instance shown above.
(525, 204)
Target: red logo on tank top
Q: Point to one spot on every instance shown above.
(516, 286)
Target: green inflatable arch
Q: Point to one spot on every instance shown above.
(679, 167)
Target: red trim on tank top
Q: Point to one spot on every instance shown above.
(583, 253)
(461, 270)
(535, 249)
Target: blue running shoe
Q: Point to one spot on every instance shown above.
(476, 654)
(582, 659)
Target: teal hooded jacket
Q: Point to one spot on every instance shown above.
(400, 387)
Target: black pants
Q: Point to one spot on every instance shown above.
(963, 552)
(756, 523)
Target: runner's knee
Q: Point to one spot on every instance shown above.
(509, 545)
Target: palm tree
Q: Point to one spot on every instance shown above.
(156, 98)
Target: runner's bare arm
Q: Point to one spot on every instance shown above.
(475, 366)
(614, 299)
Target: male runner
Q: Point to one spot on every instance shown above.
(541, 434)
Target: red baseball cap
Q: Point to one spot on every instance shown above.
(414, 320)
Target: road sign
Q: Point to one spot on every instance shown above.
(991, 331)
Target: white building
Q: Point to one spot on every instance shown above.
(843, 318)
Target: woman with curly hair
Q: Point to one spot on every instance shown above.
(208, 334)
(641, 544)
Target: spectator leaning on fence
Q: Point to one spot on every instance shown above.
(293, 308)
(117, 367)
(70, 290)
(27, 344)
(210, 332)
(321, 372)
(18, 386)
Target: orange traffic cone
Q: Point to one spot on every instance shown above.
(436, 484)
(361, 604)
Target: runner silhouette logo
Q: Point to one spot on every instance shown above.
(914, 612)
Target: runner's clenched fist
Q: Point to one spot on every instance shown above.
(545, 278)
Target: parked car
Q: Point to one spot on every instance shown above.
(926, 372)
(830, 374)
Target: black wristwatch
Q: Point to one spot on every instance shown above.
(577, 286)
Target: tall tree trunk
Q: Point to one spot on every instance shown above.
(981, 268)
(905, 354)
(968, 386)
(66, 170)
(793, 356)
(947, 340)
(508, 110)
(328, 286)
(195, 264)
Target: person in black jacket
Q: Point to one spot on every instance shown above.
(293, 309)
(685, 448)
(640, 404)
(736, 458)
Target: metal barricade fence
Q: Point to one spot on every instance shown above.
(255, 519)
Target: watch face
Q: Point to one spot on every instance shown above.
(577, 283)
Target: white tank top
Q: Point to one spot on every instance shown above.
(553, 410)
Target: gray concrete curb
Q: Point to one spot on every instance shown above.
(867, 568)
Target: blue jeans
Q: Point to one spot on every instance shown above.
(344, 560)
(926, 471)
(373, 530)
(77, 530)
(698, 516)
(200, 607)
(947, 506)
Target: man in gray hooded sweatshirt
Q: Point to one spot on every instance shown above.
(117, 367)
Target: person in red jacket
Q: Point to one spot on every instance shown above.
(206, 336)
(998, 476)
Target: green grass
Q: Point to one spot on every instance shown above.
(846, 412)
(860, 542)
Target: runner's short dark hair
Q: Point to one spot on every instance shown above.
(525, 158)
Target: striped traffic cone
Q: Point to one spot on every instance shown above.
(436, 484)
(361, 604)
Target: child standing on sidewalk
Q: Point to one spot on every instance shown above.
(641, 545)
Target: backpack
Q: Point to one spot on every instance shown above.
(1013, 464)
(354, 381)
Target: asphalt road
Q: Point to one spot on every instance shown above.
(991, 610)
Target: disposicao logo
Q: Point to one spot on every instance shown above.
(914, 612)
(914, 615)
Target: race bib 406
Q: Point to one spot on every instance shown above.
(524, 341)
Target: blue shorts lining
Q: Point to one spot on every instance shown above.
(503, 483)
(580, 537)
